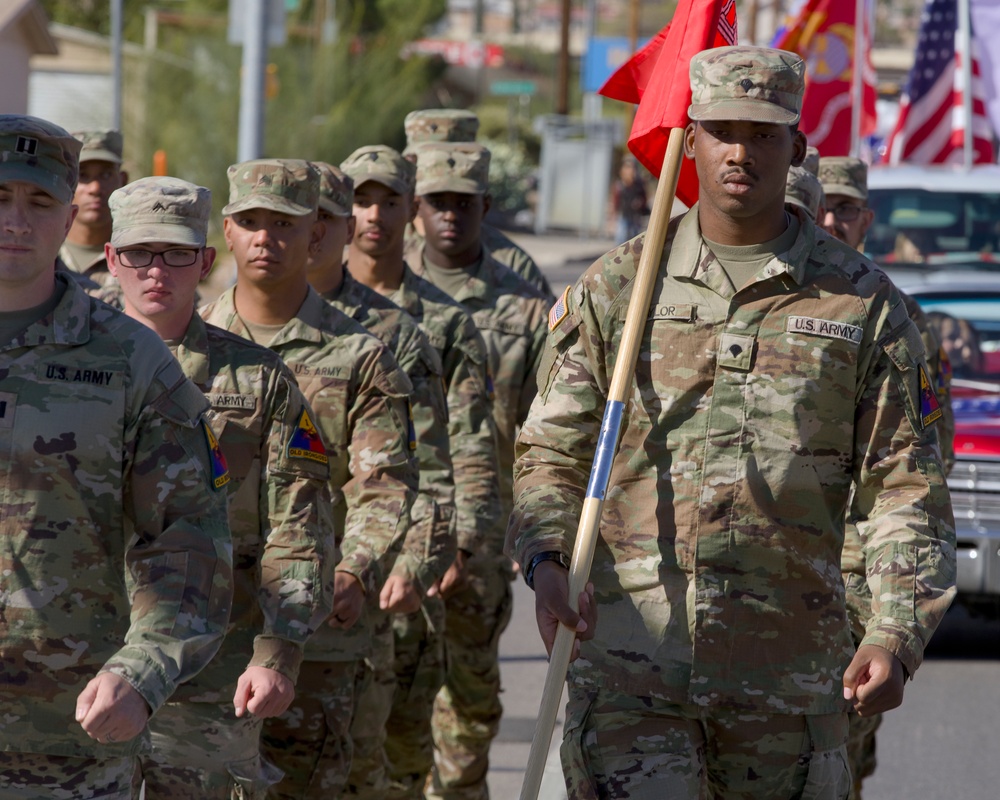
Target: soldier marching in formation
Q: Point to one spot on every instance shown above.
(262, 549)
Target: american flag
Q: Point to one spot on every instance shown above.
(931, 128)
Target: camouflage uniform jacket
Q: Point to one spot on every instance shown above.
(502, 248)
(471, 430)
(859, 596)
(360, 396)
(279, 508)
(114, 545)
(507, 252)
(429, 547)
(717, 570)
(96, 270)
(511, 315)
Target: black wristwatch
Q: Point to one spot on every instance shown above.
(549, 555)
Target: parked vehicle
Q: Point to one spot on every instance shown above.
(965, 308)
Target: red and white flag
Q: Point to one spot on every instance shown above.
(932, 123)
(657, 78)
(823, 32)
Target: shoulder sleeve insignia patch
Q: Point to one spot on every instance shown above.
(306, 441)
(930, 407)
(560, 310)
(220, 469)
(944, 373)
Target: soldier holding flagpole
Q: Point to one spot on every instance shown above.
(776, 369)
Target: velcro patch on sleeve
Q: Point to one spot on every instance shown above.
(560, 310)
(220, 469)
(306, 441)
(831, 329)
(930, 406)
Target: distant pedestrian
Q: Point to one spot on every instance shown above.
(629, 201)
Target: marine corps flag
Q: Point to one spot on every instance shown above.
(823, 32)
(657, 78)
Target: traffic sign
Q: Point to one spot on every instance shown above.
(509, 88)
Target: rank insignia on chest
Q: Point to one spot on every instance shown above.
(220, 469)
(930, 406)
(560, 310)
(306, 441)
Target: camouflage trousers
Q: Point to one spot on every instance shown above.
(32, 776)
(467, 710)
(205, 745)
(311, 741)
(641, 748)
(861, 749)
(419, 667)
(374, 686)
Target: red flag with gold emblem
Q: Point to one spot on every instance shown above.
(823, 33)
(657, 77)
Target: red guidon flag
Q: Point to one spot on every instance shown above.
(825, 33)
(657, 78)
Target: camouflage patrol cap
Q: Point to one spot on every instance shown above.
(453, 167)
(35, 151)
(336, 190)
(844, 175)
(100, 145)
(803, 189)
(286, 185)
(160, 210)
(753, 84)
(811, 162)
(439, 125)
(380, 164)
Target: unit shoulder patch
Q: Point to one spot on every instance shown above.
(306, 441)
(930, 406)
(220, 469)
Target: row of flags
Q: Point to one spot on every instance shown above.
(932, 121)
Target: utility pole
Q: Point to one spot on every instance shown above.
(250, 144)
(116, 64)
(633, 45)
(562, 89)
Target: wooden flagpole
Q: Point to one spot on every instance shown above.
(600, 472)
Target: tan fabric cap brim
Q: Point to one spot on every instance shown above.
(845, 190)
(398, 185)
(36, 176)
(333, 208)
(161, 232)
(270, 202)
(743, 109)
(449, 184)
(100, 155)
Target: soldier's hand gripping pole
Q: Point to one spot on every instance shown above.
(600, 472)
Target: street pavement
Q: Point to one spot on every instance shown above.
(522, 656)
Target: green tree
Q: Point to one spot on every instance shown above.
(326, 99)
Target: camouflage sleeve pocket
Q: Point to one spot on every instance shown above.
(913, 380)
(893, 581)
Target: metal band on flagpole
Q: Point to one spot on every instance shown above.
(600, 474)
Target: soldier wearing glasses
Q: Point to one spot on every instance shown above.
(208, 735)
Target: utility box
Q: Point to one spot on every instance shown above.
(574, 179)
